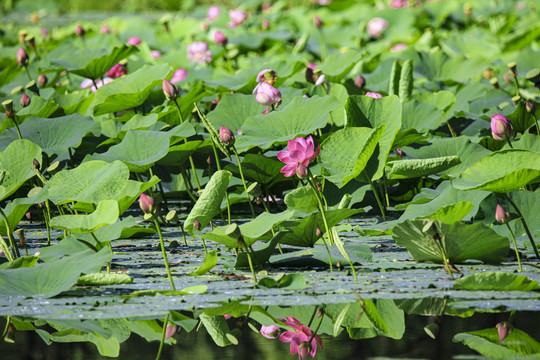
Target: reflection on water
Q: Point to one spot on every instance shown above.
(199, 344)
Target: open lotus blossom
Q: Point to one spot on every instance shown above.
(179, 75)
(134, 40)
(376, 26)
(270, 332)
(299, 339)
(501, 127)
(301, 152)
(374, 95)
(198, 51)
(88, 83)
(237, 17)
(213, 13)
(116, 71)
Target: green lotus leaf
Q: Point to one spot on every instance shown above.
(16, 163)
(106, 213)
(461, 241)
(345, 153)
(517, 345)
(233, 110)
(406, 169)
(515, 168)
(496, 281)
(129, 91)
(92, 63)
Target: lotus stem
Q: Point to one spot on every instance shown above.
(28, 74)
(515, 247)
(524, 225)
(183, 234)
(243, 181)
(17, 128)
(376, 195)
(249, 260)
(162, 336)
(185, 142)
(5, 249)
(451, 129)
(323, 215)
(163, 252)
(323, 45)
(8, 321)
(15, 250)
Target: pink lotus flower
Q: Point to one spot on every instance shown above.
(116, 71)
(270, 332)
(220, 38)
(88, 83)
(301, 152)
(134, 40)
(501, 128)
(213, 13)
(156, 54)
(376, 26)
(22, 57)
(179, 75)
(44, 32)
(267, 95)
(105, 29)
(503, 329)
(170, 331)
(237, 17)
(147, 203)
(396, 4)
(198, 51)
(374, 95)
(501, 215)
(398, 47)
(299, 339)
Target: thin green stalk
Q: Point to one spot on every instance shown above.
(189, 188)
(317, 328)
(4, 333)
(536, 121)
(451, 129)
(524, 225)
(321, 210)
(183, 234)
(376, 196)
(16, 253)
(515, 247)
(27, 73)
(437, 240)
(312, 316)
(385, 189)
(516, 86)
(163, 252)
(228, 207)
(162, 336)
(218, 164)
(47, 216)
(323, 45)
(17, 128)
(5, 249)
(249, 261)
(243, 181)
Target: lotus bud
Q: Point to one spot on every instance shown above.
(44, 32)
(170, 331)
(213, 13)
(529, 106)
(22, 57)
(317, 22)
(79, 30)
(376, 26)
(196, 224)
(267, 95)
(25, 100)
(302, 171)
(503, 328)
(204, 26)
(501, 215)
(28, 216)
(10, 334)
(146, 203)
(501, 128)
(134, 40)
(318, 232)
(36, 164)
(170, 90)
(338, 265)
(220, 38)
(360, 81)
(105, 29)
(513, 68)
(265, 24)
(42, 80)
(266, 7)
(321, 79)
(226, 135)
(8, 106)
(209, 160)
(374, 95)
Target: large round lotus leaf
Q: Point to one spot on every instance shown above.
(345, 153)
(233, 110)
(517, 345)
(300, 116)
(503, 171)
(106, 213)
(139, 150)
(364, 111)
(92, 63)
(16, 164)
(55, 135)
(129, 91)
(89, 182)
(461, 241)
